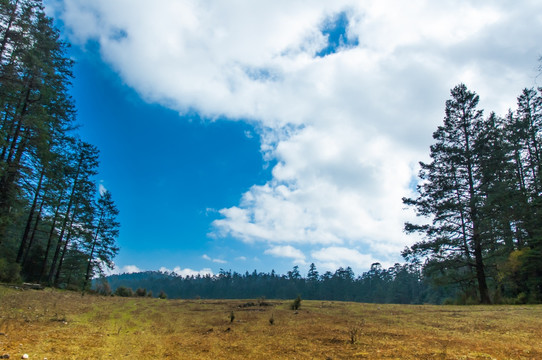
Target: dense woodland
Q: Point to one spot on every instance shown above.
(56, 228)
(479, 198)
(482, 192)
(400, 284)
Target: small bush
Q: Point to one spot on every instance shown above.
(296, 304)
(232, 317)
(448, 301)
(103, 288)
(9, 272)
(141, 292)
(124, 291)
(162, 295)
(355, 332)
(521, 298)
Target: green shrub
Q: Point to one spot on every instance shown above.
(141, 292)
(124, 291)
(521, 298)
(355, 332)
(162, 295)
(448, 301)
(103, 288)
(296, 304)
(10, 272)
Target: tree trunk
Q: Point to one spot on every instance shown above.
(49, 241)
(476, 236)
(66, 218)
(29, 220)
(89, 266)
(480, 271)
(64, 251)
(34, 230)
(91, 256)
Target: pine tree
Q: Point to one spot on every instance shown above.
(82, 188)
(47, 186)
(102, 249)
(450, 193)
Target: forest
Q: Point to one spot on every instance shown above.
(400, 284)
(478, 199)
(482, 193)
(56, 227)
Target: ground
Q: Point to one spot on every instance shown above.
(55, 324)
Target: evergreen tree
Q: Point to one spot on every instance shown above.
(450, 193)
(47, 186)
(102, 249)
(312, 275)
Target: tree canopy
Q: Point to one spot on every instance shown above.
(49, 203)
(481, 192)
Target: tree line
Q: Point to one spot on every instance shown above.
(55, 226)
(400, 284)
(482, 195)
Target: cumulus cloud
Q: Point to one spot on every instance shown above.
(127, 269)
(218, 261)
(287, 251)
(331, 258)
(347, 126)
(187, 272)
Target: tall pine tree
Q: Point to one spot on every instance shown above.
(450, 194)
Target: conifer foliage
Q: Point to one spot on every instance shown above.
(50, 230)
(482, 191)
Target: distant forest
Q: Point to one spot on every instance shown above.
(56, 228)
(400, 284)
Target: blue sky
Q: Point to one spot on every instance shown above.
(263, 135)
(169, 174)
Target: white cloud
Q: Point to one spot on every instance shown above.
(287, 251)
(187, 272)
(101, 188)
(218, 261)
(127, 269)
(346, 130)
(332, 258)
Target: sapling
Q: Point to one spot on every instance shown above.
(296, 304)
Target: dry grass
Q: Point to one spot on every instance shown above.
(63, 325)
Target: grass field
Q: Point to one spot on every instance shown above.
(55, 324)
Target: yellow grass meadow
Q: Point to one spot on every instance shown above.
(51, 324)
